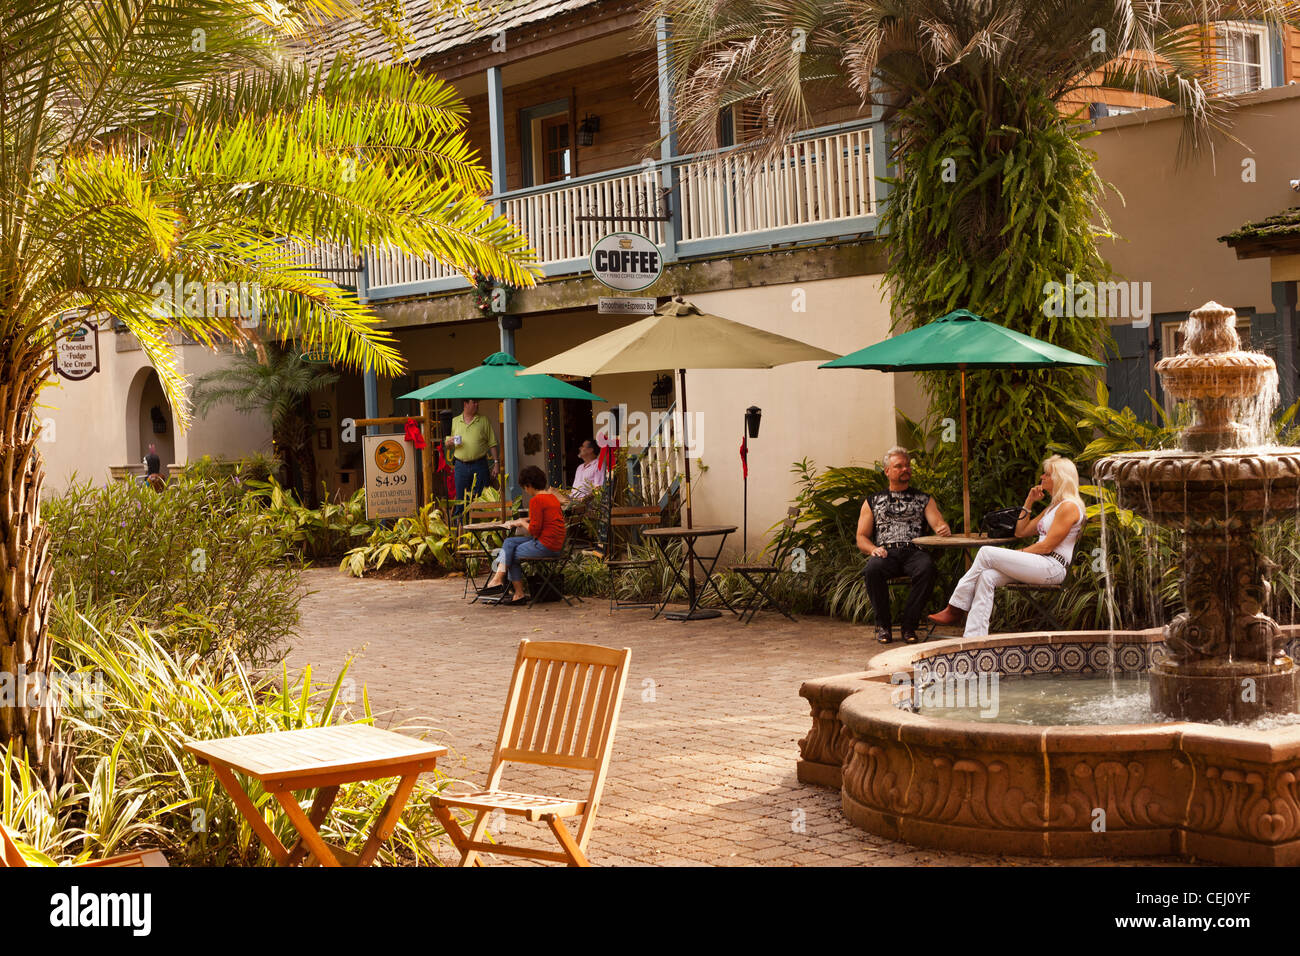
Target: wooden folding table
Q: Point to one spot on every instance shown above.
(321, 759)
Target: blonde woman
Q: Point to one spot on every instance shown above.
(1043, 562)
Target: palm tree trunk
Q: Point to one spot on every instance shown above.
(29, 721)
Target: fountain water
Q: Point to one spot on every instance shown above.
(1223, 658)
(1054, 761)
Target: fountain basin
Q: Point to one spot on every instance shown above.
(1198, 791)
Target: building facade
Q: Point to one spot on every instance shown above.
(569, 107)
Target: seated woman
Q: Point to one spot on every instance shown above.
(1043, 562)
(545, 527)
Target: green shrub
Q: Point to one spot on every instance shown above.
(317, 534)
(195, 556)
(134, 785)
(422, 539)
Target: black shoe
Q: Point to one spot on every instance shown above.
(884, 635)
(910, 636)
(513, 601)
(490, 589)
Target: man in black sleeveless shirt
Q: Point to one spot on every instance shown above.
(886, 526)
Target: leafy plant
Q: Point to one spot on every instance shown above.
(134, 786)
(422, 539)
(317, 534)
(193, 559)
(277, 384)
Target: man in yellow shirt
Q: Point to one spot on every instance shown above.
(473, 451)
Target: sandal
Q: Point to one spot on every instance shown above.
(884, 635)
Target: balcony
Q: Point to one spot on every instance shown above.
(822, 185)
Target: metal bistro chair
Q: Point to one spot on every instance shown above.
(562, 711)
(761, 577)
(545, 576)
(632, 518)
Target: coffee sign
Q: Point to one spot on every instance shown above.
(626, 262)
(76, 356)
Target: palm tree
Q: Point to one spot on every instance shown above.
(995, 194)
(280, 388)
(147, 145)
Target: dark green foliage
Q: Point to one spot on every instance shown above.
(194, 558)
(1020, 214)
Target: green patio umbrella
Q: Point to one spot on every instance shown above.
(961, 340)
(499, 377)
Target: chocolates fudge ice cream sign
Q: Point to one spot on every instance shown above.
(626, 262)
(76, 356)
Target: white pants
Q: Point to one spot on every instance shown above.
(992, 568)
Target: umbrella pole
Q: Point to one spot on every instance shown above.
(699, 614)
(686, 457)
(965, 462)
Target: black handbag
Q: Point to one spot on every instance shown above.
(1001, 523)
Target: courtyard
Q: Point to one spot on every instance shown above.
(703, 771)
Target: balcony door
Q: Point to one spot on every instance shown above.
(546, 138)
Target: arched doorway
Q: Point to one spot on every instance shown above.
(149, 419)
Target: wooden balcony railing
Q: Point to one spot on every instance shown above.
(822, 184)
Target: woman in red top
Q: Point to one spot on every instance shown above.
(545, 527)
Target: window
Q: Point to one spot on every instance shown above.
(1243, 57)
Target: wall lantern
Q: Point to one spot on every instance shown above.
(661, 392)
(753, 415)
(588, 129)
(159, 422)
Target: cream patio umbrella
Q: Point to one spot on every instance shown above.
(680, 336)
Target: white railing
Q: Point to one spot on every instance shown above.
(822, 177)
(662, 461)
(814, 180)
(549, 217)
(391, 267)
(333, 260)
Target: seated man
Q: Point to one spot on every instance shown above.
(545, 528)
(886, 526)
(589, 475)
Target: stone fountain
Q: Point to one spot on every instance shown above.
(1190, 777)
(1223, 658)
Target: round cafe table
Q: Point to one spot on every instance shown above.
(688, 537)
(969, 541)
(977, 540)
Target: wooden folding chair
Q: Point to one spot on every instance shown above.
(10, 856)
(761, 577)
(562, 711)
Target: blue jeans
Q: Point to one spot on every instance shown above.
(512, 549)
(472, 479)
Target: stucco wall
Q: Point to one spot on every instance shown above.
(1173, 216)
(104, 420)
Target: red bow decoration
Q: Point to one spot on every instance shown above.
(744, 454)
(413, 433)
(606, 458)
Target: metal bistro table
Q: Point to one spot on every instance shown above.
(688, 536)
(320, 759)
(479, 532)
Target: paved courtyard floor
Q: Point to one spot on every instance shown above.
(703, 770)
